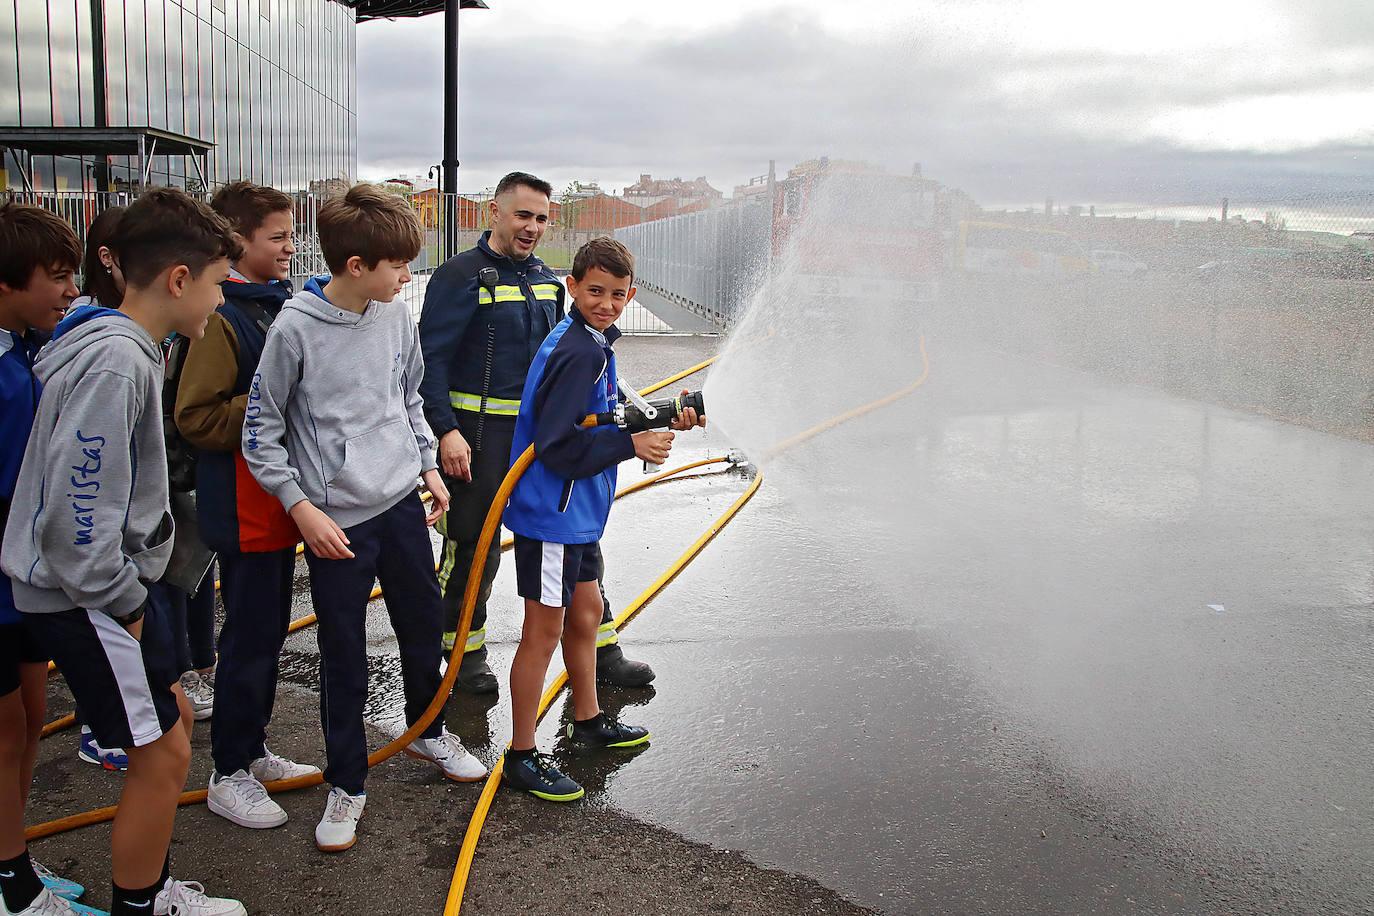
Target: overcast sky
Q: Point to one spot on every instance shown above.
(1084, 101)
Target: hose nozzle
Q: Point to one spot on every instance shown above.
(661, 412)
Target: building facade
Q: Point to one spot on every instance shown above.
(271, 83)
(649, 191)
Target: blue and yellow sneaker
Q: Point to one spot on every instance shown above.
(534, 773)
(605, 731)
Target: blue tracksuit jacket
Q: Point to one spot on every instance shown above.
(565, 497)
(19, 392)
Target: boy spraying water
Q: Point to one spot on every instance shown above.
(558, 512)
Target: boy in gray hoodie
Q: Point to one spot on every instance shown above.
(335, 429)
(90, 528)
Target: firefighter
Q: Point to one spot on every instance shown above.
(486, 312)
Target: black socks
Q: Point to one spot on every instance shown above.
(19, 883)
(134, 902)
(139, 902)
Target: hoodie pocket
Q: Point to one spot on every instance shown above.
(566, 497)
(151, 561)
(372, 464)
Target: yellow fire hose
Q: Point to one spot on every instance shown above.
(64, 722)
(489, 528)
(454, 902)
(460, 873)
(463, 867)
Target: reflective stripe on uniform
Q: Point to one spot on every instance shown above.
(546, 291)
(504, 407)
(476, 640)
(503, 294)
(606, 635)
(450, 556)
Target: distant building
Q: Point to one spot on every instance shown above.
(471, 211)
(649, 191)
(601, 213)
(328, 187)
(580, 190)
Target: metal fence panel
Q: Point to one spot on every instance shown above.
(709, 262)
(706, 262)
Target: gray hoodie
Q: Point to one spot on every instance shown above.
(334, 412)
(90, 516)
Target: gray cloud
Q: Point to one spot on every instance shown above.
(1004, 124)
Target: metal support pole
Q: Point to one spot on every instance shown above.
(25, 169)
(100, 88)
(450, 163)
(200, 165)
(145, 158)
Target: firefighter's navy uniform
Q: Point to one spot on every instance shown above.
(479, 340)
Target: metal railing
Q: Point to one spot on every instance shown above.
(79, 208)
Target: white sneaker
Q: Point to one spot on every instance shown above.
(187, 898)
(47, 904)
(271, 768)
(62, 887)
(242, 799)
(338, 829)
(201, 692)
(448, 754)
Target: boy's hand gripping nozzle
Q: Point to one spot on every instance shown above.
(638, 415)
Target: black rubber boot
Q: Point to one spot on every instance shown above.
(613, 669)
(474, 676)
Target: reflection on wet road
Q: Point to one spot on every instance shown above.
(1050, 646)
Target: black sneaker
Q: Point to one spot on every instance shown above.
(537, 775)
(604, 731)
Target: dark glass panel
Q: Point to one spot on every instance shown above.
(9, 67)
(35, 94)
(136, 60)
(224, 134)
(176, 99)
(66, 78)
(204, 64)
(84, 64)
(245, 113)
(190, 73)
(69, 174)
(157, 63)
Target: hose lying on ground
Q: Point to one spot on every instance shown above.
(436, 705)
(474, 831)
(453, 904)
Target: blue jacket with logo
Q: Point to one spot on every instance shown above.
(565, 497)
(463, 327)
(19, 391)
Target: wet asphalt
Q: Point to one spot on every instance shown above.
(1058, 647)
